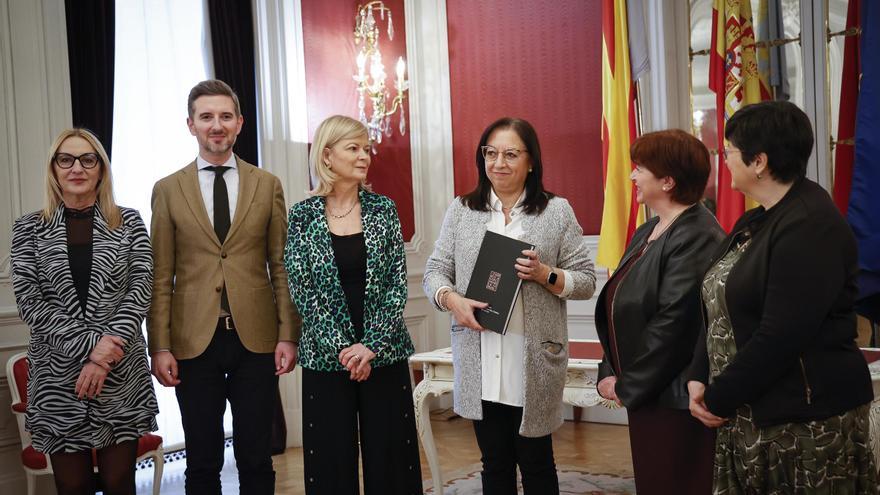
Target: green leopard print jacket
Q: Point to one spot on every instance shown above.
(316, 290)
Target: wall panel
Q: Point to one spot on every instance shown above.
(540, 61)
(34, 107)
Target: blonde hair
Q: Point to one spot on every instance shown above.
(331, 131)
(105, 201)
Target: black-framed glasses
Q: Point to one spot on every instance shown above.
(87, 160)
(510, 155)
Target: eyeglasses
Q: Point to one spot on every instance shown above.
(725, 151)
(510, 155)
(87, 160)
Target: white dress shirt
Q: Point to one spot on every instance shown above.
(501, 356)
(206, 184)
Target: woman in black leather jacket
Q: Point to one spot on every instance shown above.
(648, 316)
(787, 384)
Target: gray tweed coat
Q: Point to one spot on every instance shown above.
(559, 241)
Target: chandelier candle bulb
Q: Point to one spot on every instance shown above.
(361, 63)
(401, 68)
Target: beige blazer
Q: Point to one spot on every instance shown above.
(191, 266)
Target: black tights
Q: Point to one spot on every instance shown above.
(74, 473)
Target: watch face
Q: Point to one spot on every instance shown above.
(552, 278)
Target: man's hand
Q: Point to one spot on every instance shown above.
(164, 368)
(90, 381)
(698, 408)
(108, 352)
(285, 357)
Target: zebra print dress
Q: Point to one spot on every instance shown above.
(63, 334)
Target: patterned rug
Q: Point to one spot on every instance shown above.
(572, 481)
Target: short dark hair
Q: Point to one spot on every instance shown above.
(677, 154)
(537, 197)
(779, 129)
(211, 87)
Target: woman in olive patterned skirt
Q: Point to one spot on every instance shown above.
(777, 369)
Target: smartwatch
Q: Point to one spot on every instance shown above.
(551, 280)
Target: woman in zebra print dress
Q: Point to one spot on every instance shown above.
(82, 276)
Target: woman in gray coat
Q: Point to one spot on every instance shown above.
(511, 385)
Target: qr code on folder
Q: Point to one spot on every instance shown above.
(492, 283)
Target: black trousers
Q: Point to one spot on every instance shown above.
(503, 449)
(336, 409)
(227, 370)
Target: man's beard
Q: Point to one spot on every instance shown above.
(223, 147)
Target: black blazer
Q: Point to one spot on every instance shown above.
(790, 299)
(657, 310)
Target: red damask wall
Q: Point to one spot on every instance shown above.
(330, 64)
(541, 61)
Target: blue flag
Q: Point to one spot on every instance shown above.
(863, 212)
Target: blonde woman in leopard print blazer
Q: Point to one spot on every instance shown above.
(347, 275)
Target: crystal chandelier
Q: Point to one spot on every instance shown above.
(371, 85)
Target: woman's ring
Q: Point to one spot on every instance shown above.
(356, 357)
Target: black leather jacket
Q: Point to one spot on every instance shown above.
(790, 298)
(657, 310)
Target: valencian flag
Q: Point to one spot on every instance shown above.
(863, 212)
(621, 214)
(844, 151)
(735, 79)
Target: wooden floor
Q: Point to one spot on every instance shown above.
(597, 448)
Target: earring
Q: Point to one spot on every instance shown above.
(530, 170)
(665, 188)
(758, 176)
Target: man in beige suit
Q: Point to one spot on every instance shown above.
(221, 325)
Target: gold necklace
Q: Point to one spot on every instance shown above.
(344, 214)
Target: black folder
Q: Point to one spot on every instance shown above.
(494, 280)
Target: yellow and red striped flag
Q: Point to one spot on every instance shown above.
(735, 79)
(621, 214)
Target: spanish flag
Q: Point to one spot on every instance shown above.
(621, 214)
(735, 79)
